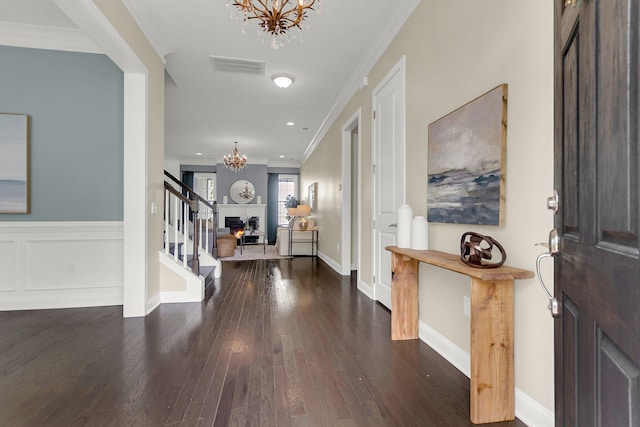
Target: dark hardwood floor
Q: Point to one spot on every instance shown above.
(275, 343)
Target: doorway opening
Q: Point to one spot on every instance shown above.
(351, 200)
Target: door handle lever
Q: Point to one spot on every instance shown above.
(553, 202)
(552, 247)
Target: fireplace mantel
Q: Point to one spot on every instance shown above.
(242, 210)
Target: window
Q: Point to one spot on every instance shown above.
(204, 184)
(287, 185)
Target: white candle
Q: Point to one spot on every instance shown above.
(225, 200)
(259, 200)
(403, 239)
(419, 233)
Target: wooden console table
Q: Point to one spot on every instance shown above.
(492, 391)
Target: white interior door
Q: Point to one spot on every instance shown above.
(388, 161)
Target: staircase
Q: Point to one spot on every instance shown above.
(189, 240)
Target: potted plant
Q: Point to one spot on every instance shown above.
(290, 202)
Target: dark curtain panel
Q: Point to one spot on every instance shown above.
(187, 179)
(272, 207)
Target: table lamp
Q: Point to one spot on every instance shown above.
(293, 213)
(303, 211)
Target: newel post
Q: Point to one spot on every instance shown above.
(195, 262)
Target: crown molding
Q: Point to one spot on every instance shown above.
(356, 79)
(283, 163)
(156, 39)
(46, 37)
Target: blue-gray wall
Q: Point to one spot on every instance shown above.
(75, 104)
(255, 174)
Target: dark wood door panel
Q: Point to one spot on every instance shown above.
(570, 134)
(617, 97)
(617, 391)
(606, 287)
(571, 359)
(597, 168)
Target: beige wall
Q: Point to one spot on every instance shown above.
(455, 51)
(323, 167)
(122, 21)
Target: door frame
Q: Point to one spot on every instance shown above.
(352, 123)
(138, 227)
(399, 68)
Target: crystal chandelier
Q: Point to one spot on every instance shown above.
(246, 192)
(275, 17)
(233, 161)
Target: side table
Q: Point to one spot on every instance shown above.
(492, 391)
(260, 236)
(312, 239)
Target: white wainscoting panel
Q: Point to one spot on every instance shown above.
(8, 265)
(74, 264)
(61, 264)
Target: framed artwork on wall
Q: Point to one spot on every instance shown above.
(14, 164)
(313, 196)
(467, 162)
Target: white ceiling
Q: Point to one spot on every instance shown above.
(206, 111)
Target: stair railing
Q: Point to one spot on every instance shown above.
(189, 214)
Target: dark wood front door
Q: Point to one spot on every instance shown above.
(597, 270)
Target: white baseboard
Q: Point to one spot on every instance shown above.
(153, 303)
(177, 297)
(330, 262)
(454, 354)
(531, 412)
(365, 288)
(528, 410)
(61, 264)
(62, 300)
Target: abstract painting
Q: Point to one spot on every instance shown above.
(467, 155)
(313, 196)
(14, 163)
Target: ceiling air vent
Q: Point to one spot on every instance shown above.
(237, 65)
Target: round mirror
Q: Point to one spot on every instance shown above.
(242, 191)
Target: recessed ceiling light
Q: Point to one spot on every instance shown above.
(281, 156)
(198, 154)
(283, 80)
(290, 124)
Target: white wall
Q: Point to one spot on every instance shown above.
(172, 166)
(455, 51)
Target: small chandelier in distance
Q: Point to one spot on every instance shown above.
(275, 17)
(233, 161)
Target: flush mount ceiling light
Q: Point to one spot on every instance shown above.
(283, 80)
(275, 17)
(233, 161)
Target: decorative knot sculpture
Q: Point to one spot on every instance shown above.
(474, 248)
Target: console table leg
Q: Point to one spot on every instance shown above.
(404, 297)
(492, 383)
